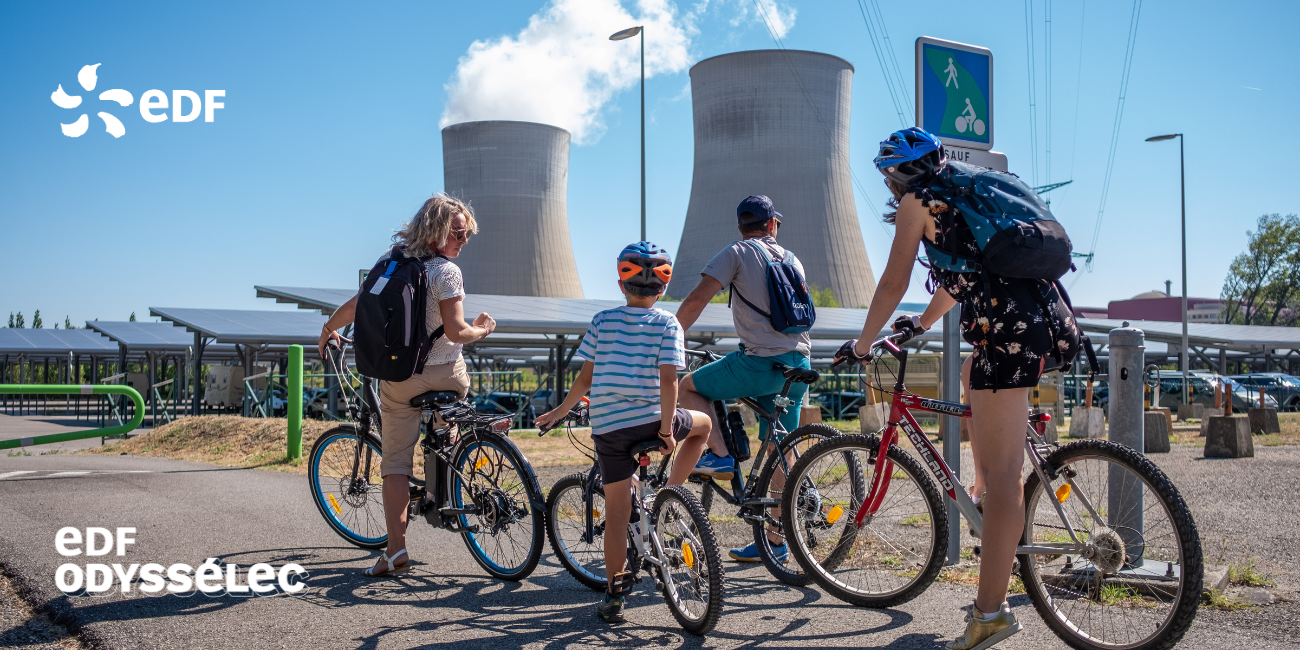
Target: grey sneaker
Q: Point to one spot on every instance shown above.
(610, 609)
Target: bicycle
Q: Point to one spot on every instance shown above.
(669, 534)
(754, 495)
(477, 482)
(1110, 555)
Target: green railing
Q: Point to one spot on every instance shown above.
(58, 389)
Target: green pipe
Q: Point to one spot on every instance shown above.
(293, 397)
(62, 389)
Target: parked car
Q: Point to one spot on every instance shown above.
(839, 405)
(1281, 387)
(503, 403)
(542, 400)
(1201, 391)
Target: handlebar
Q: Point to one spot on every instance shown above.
(890, 343)
(575, 415)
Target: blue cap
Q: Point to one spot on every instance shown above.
(756, 209)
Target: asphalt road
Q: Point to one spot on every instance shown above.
(186, 512)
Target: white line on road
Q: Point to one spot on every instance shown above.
(8, 474)
(67, 473)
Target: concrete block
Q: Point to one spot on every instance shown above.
(1264, 421)
(1088, 422)
(1051, 434)
(1169, 418)
(1156, 433)
(1209, 412)
(1257, 596)
(872, 417)
(1228, 436)
(1190, 411)
(965, 429)
(810, 415)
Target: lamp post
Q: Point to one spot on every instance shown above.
(618, 36)
(1182, 190)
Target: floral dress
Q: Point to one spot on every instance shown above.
(1020, 328)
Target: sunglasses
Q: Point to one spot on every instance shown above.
(629, 270)
(461, 235)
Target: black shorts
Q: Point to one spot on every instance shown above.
(614, 448)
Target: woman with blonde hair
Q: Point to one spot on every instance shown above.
(435, 234)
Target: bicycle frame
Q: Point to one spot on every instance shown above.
(900, 415)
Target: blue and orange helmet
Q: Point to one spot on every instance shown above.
(644, 268)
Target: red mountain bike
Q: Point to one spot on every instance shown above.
(1110, 556)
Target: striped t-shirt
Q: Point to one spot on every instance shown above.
(627, 346)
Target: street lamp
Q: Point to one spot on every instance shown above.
(618, 36)
(1182, 183)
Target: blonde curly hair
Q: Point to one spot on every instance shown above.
(431, 225)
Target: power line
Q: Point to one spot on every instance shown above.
(1078, 84)
(889, 47)
(1033, 91)
(881, 58)
(1119, 116)
(1047, 88)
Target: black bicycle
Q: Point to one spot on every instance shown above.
(578, 543)
(476, 481)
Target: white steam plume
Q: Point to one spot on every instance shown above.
(562, 69)
(778, 21)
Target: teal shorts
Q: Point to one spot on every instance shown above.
(745, 375)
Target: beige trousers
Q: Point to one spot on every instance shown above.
(401, 421)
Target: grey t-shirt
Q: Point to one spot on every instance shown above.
(741, 265)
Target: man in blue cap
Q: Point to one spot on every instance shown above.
(749, 372)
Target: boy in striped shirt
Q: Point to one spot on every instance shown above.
(631, 356)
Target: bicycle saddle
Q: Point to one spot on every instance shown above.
(800, 375)
(435, 398)
(645, 448)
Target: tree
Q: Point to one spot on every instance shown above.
(11, 319)
(132, 319)
(823, 296)
(36, 320)
(67, 323)
(19, 323)
(1263, 283)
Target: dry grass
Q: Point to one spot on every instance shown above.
(226, 440)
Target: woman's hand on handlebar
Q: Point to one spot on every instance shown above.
(328, 336)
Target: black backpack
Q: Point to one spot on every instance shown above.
(390, 319)
(1016, 233)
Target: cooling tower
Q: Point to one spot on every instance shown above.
(776, 122)
(515, 176)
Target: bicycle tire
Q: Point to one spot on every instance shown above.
(339, 503)
(853, 550)
(671, 503)
(517, 501)
(590, 573)
(1140, 591)
(792, 441)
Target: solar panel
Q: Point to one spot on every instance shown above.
(44, 342)
(246, 326)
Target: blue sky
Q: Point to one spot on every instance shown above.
(330, 137)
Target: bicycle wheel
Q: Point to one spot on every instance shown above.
(494, 477)
(771, 484)
(690, 557)
(566, 525)
(896, 554)
(1138, 584)
(353, 507)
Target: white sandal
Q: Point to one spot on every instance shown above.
(392, 568)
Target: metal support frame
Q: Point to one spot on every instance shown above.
(950, 426)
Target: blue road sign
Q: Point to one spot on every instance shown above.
(954, 92)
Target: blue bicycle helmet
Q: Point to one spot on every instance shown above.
(644, 268)
(909, 155)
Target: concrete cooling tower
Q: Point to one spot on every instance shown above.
(515, 176)
(777, 123)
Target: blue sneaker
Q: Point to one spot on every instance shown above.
(750, 553)
(715, 467)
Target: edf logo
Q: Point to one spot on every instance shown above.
(153, 105)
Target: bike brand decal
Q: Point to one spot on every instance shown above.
(923, 447)
(943, 407)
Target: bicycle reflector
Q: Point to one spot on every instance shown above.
(688, 556)
(501, 426)
(481, 462)
(1063, 493)
(834, 515)
(334, 503)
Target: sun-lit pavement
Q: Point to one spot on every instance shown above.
(186, 512)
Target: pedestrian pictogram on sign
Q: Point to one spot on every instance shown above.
(954, 92)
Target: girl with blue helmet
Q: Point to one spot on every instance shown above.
(1015, 326)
